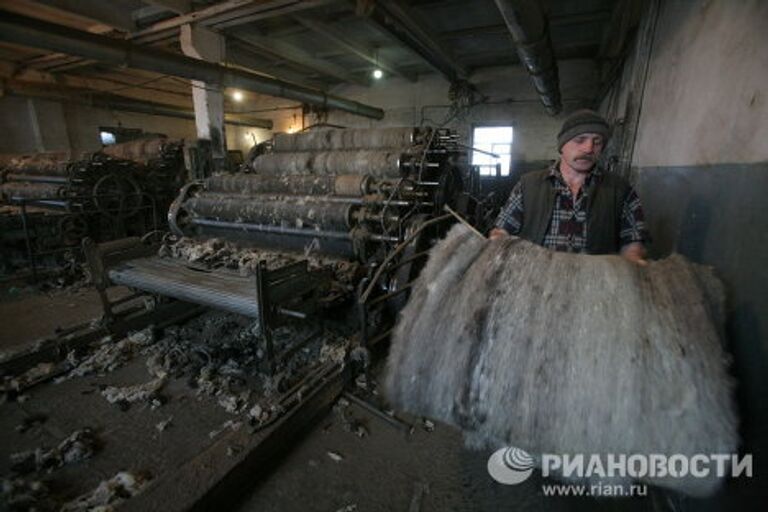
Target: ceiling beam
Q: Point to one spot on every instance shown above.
(294, 54)
(176, 6)
(31, 32)
(110, 102)
(112, 14)
(226, 14)
(54, 15)
(248, 59)
(333, 34)
(398, 20)
(144, 90)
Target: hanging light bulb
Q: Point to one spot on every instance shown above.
(237, 96)
(377, 72)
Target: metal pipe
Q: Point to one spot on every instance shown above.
(141, 107)
(27, 31)
(526, 23)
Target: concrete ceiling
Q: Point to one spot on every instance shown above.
(317, 43)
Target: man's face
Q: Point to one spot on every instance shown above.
(581, 152)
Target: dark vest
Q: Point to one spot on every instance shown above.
(605, 200)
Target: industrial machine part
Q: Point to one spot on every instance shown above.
(51, 201)
(300, 249)
(351, 192)
(317, 200)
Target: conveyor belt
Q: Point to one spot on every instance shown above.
(217, 289)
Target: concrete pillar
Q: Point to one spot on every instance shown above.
(48, 126)
(208, 98)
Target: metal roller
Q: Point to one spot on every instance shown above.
(222, 291)
(352, 185)
(365, 138)
(31, 190)
(142, 150)
(379, 164)
(27, 178)
(39, 165)
(255, 184)
(300, 213)
(309, 184)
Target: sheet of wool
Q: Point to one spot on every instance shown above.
(567, 353)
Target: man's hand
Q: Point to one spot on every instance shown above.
(635, 252)
(497, 233)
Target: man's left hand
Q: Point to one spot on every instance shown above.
(635, 252)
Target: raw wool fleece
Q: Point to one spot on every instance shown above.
(567, 353)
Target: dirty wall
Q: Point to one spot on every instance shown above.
(693, 98)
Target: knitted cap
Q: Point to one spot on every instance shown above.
(582, 121)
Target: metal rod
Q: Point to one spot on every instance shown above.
(271, 229)
(291, 313)
(382, 298)
(373, 341)
(30, 253)
(465, 146)
(407, 260)
(398, 250)
(391, 419)
(463, 221)
(261, 228)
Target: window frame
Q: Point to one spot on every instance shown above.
(494, 124)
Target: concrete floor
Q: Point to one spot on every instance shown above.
(388, 469)
(26, 315)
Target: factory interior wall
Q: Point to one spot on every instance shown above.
(508, 97)
(700, 163)
(64, 127)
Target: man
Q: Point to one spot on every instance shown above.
(574, 205)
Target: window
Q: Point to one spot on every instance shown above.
(107, 138)
(492, 139)
(117, 134)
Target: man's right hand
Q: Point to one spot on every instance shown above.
(497, 233)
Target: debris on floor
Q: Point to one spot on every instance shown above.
(109, 493)
(138, 393)
(335, 457)
(31, 376)
(110, 354)
(220, 355)
(79, 445)
(228, 425)
(349, 422)
(30, 422)
(21, 494)
(162, 426)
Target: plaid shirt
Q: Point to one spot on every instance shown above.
(567, 230)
